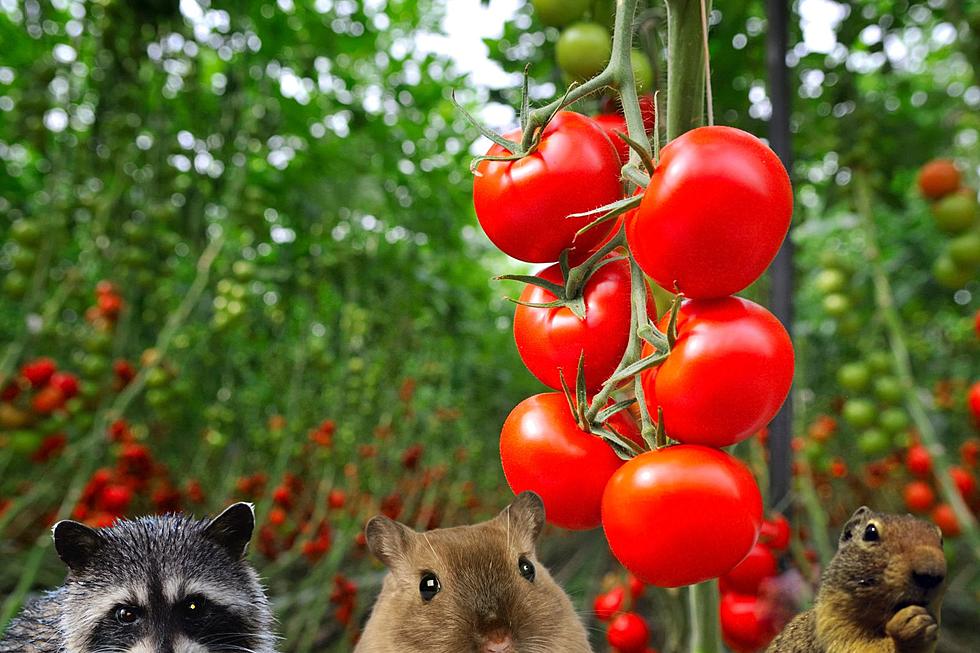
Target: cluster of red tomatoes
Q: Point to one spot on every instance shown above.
(626, 631)
(710, 221)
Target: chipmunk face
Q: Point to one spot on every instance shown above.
(889, 562)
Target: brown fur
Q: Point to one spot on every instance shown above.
(483, 591)
(873, 596)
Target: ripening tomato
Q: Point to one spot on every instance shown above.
(550, 340)
(745, 625)
(524, 205)
(918, 496)
(714, 215)
(628, 633)
(747, 576)
(543, 449)
(681, 515)
(47, 400)
(938, 178)
(607, 604)
(727, 375)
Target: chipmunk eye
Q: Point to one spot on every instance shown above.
(871, 533)
(193, 607)
(526, 568)
(127, 615)
(429, 586)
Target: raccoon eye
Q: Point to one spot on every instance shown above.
(193, 607)
(526, 568)
(127, 615)
(871, 533)
(429, 586)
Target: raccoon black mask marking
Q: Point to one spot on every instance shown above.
(168, 584)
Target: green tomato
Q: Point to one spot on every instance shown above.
(880, 362)
(893, 420)
(24, 259)
(859, 413)
(850, 324)
(642, 71)
(24, 442)
(955, 213)
(874, 442)
(836, 304)
(830, 280)
(15, 284)
(557, 13)
(833, 259)
(889, 389)
(948, 274)
(965, 250)
(25, 232)
(604, 12)
(583, 50)
(854, 376)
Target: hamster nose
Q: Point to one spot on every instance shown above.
(927, 580)
(498, 641)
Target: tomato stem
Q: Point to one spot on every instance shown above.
(685, 67)
(703, 605)
(885, 300)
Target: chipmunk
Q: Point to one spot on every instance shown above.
(162, 583)
(881, 593)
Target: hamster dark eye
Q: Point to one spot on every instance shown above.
(526, 568)
(193, 607)
(127, 615)
(429, 586)
(871, 533)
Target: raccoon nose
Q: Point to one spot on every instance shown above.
(927, 580)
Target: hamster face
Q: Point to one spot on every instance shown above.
(473, 588)
(891, 562)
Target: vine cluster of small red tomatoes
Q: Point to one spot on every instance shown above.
(714, 370)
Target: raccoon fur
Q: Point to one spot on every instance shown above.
(165, 584)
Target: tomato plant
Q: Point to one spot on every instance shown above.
(583, 50)
(682, 514)
(523, 205)
(714, 215)
(727, 374)
(747, 576)
(744, 623)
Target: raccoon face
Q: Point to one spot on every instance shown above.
(163, 585)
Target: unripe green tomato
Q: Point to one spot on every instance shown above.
(880, 362)
(830, 280)
(243, 270)
(889, 389)
(25, 232)
(15, 284)
(94, 365)
(97, 342)
(893, 420)
(604, 13)
(850, 324)
(854, 376)
(830, 258)
(836, 304)
(955, 213)
(583, 50)
(813, 450)
(642, 71)
(24, 442)
(157, 378)
(558, 13)
(24, 259)
(157, 397)
(965, 250)
(874, 443)
(948, 274)
(859, 413)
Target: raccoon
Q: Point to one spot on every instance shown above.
(164, 584)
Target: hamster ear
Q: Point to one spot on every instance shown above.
(75, 543)
(856, 519)
(525, 516)
(387, 539)
(232, 529)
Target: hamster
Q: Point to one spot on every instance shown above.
(469, 589)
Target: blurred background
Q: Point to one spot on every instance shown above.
(239, 260)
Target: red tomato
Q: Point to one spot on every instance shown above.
(637, 587)
(38, 371)
(745, 626)
(543, 449)
(648, 109)
(681, 515)
(973, 400)
(918, 496)
(746, 576)
(524, 205)
(47, 400)
(67, 383)
(944, 517)
(918, 461)
(551, 340)
(714, 215)
(964, 482)
(628, 633)
(727, 375)
(938, 178)
(970, 452)
(606, 605)
(612, 123)
(775, 533)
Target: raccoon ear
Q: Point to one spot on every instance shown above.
(525, 517)
(232, 529)
(75, 543)
(859, 515)
(387, 539)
